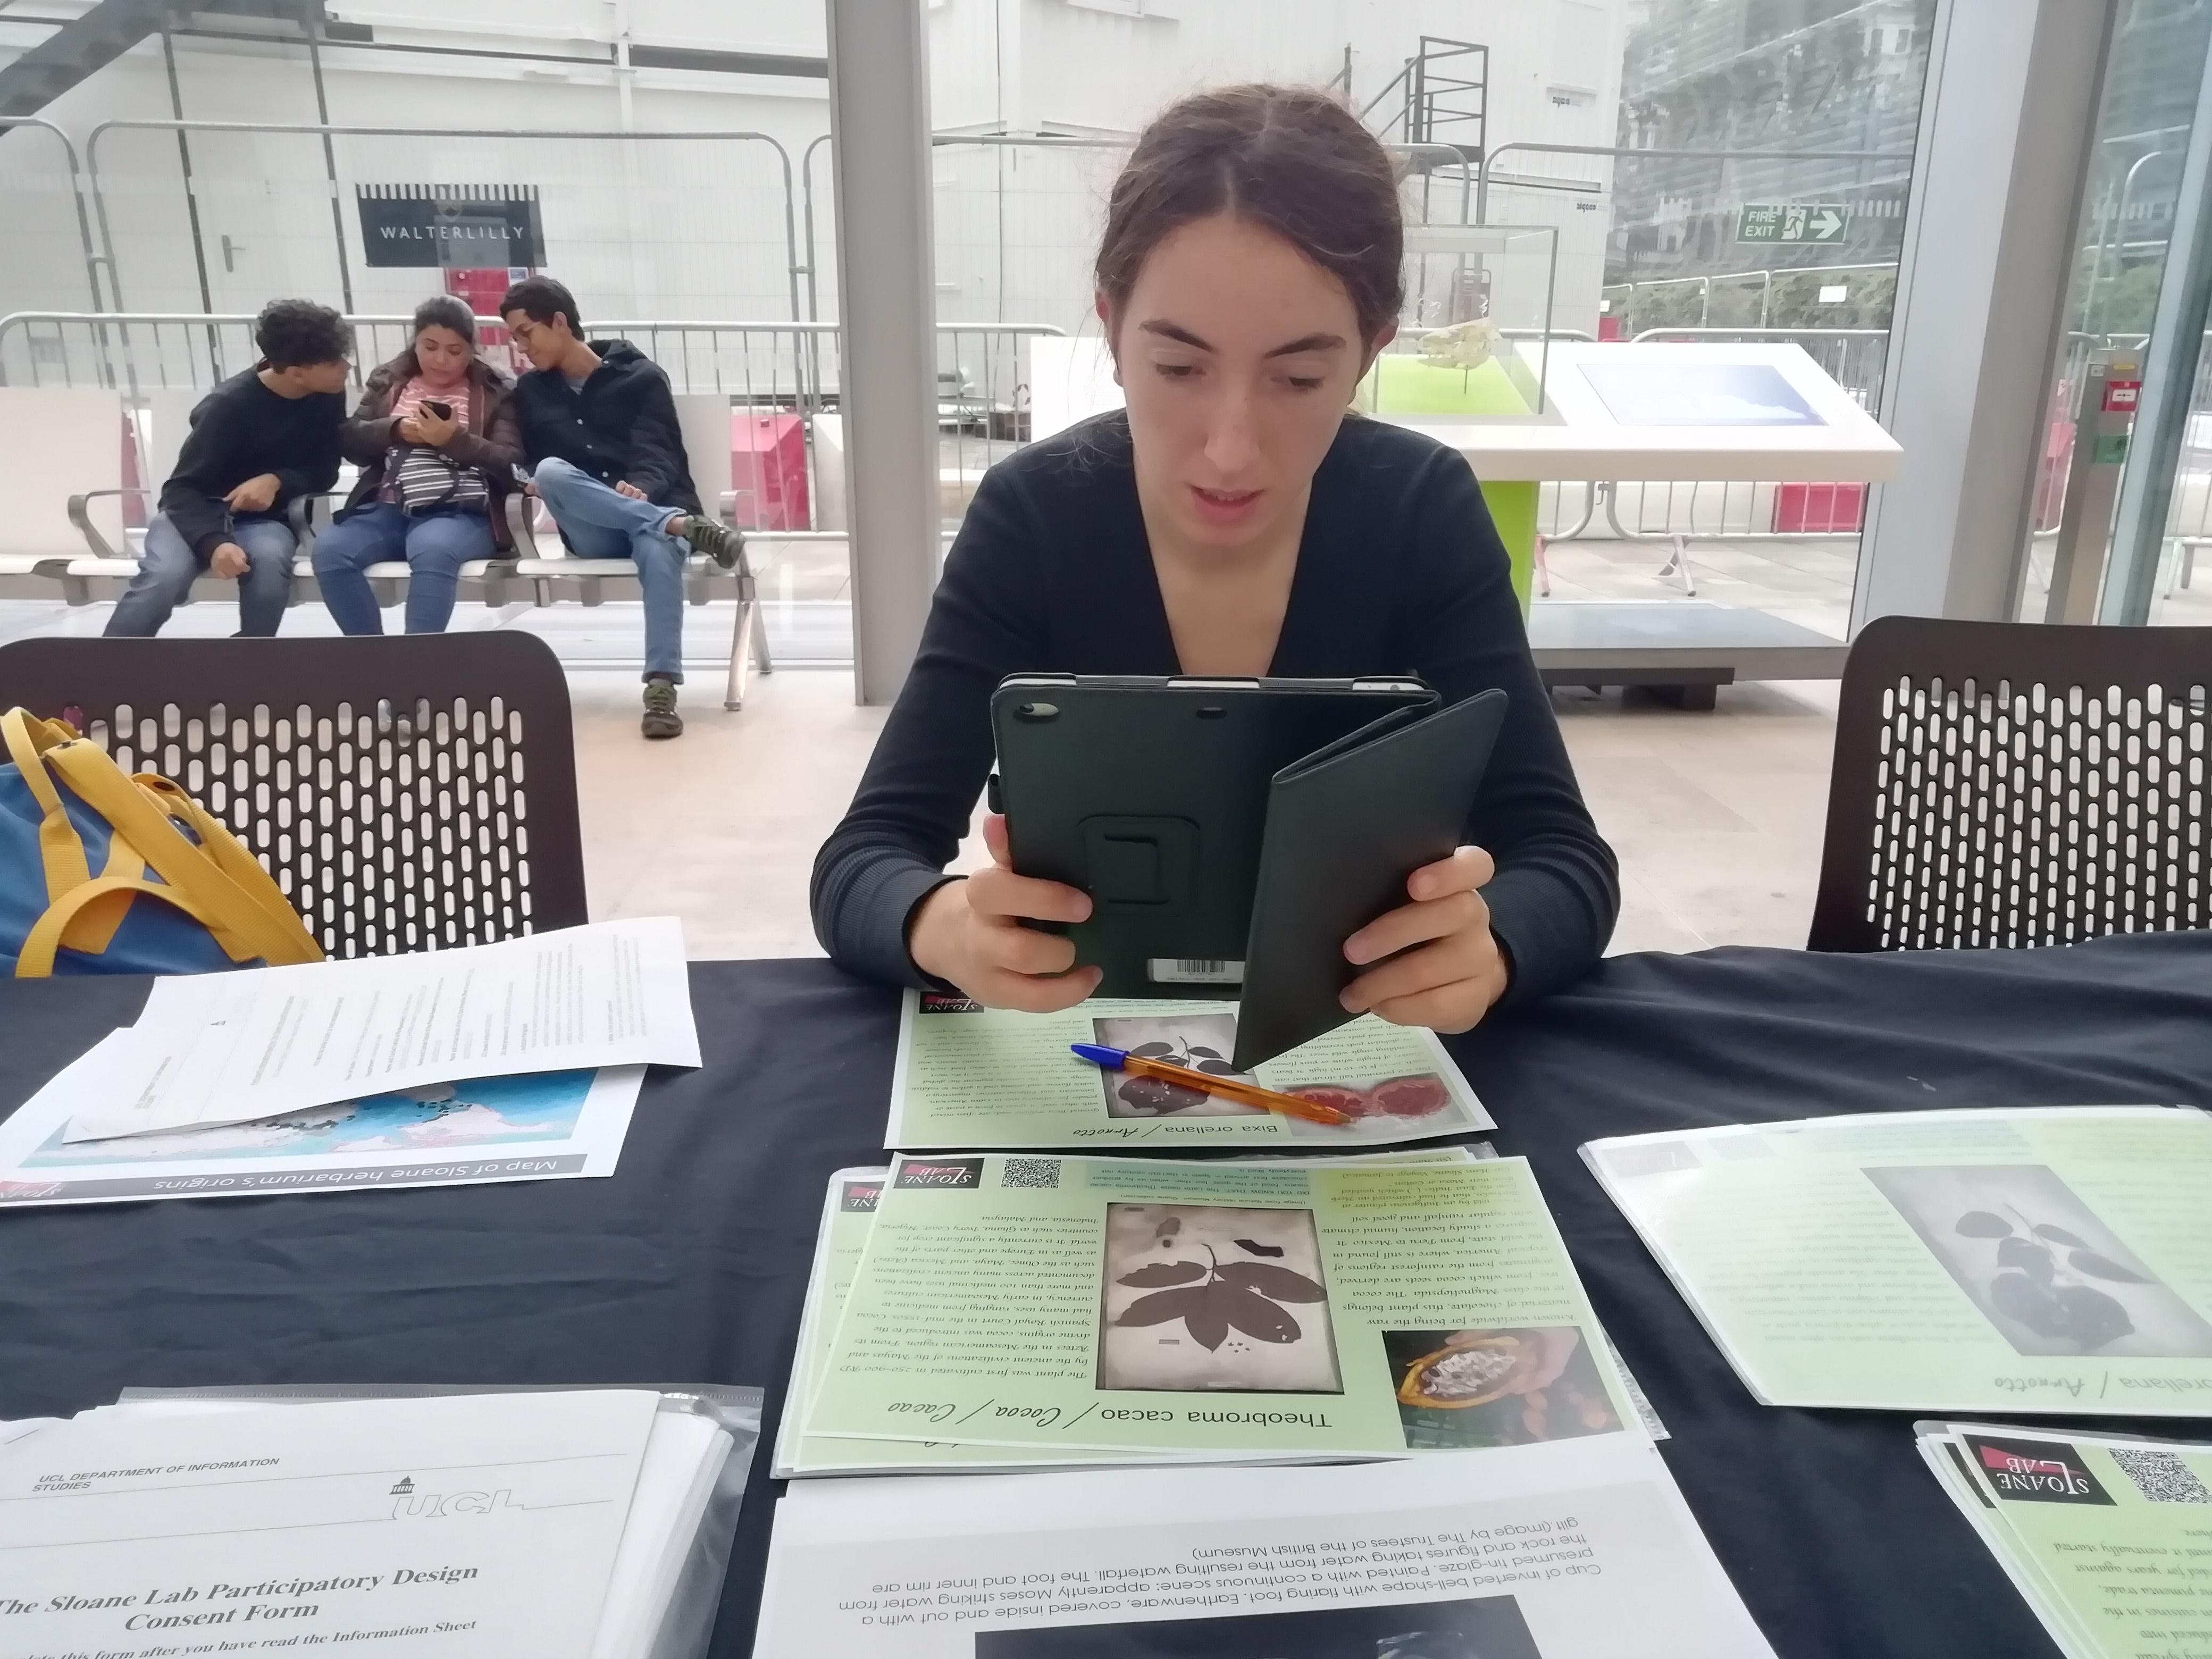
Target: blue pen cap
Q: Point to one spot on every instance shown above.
(1111, 1059)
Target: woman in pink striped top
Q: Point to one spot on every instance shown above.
(437, 443)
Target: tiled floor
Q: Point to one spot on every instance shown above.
(1717, 816)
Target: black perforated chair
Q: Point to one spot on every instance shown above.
(407, 793)
(2012, 784)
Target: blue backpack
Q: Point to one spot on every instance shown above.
(175, 893)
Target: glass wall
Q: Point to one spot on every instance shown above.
(1556, 123)
(1734, 243)
(2157, 64)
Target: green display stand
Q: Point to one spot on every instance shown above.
(1407, 385)
(1513, 510)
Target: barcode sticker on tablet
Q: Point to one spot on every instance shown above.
(1195, 970)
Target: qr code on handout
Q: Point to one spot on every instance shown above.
(2161, 1476)
(1035, 1173)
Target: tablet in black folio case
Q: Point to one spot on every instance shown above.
(1344, 827)
(1233, 831)
(1151, 795)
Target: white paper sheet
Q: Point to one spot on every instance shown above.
(682, 1461)
(479, 1524)
(212, 1049)
(684, 1456)
(541, 1126)
(1579, 1549)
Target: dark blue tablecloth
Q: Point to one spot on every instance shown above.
(689, 1264)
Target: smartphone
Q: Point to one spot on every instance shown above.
(432, 406)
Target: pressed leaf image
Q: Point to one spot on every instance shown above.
(2042, 1266)
(1239, 1295)
(1209, 1298)
(1201, 1041)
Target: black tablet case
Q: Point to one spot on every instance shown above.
(1150, 794)
(1345, 827)
(1156, 797)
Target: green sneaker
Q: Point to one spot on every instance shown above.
(661, 719)
(716, 540)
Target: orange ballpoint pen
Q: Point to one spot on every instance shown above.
(1229, 1088)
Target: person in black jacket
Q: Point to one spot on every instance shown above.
(1233, 520)
(600, 433)
(259, 441)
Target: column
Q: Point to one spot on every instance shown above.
(2007, 127)
(887, 357)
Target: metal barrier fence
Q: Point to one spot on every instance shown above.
(262, 210)
(770, 368)
(769, 363)
(1736, 289)
(48, 229)
(982, 414)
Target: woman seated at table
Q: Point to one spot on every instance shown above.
(437, 441)
(1233, 520)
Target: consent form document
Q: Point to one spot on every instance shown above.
(466, 1526)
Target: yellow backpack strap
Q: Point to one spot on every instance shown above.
(95, 907)
(235, 862)
(60, 849)
(244, 926)
(94, 930)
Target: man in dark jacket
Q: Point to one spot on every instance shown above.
(600, 433)
(259, 441)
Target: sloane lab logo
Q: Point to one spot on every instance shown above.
(2037, 1471)
(939, 1173)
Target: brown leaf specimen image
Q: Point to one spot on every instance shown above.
(1214, 1298)
(1201, 1043)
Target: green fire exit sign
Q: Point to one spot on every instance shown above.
(1792, 222)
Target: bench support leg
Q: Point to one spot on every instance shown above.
(1678, 564)
(748, 644)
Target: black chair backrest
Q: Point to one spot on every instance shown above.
(382, 781)
(2012, 784)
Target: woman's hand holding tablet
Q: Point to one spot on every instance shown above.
(970, 932)
(1443, 968)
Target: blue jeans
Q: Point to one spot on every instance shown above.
(167, 566)
(602, 524)
(435, 545)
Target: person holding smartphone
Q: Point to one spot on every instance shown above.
(1234, 520)
(435, 435)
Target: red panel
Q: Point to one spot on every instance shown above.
(1820, 509)
(483, 289)
(767, 472)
